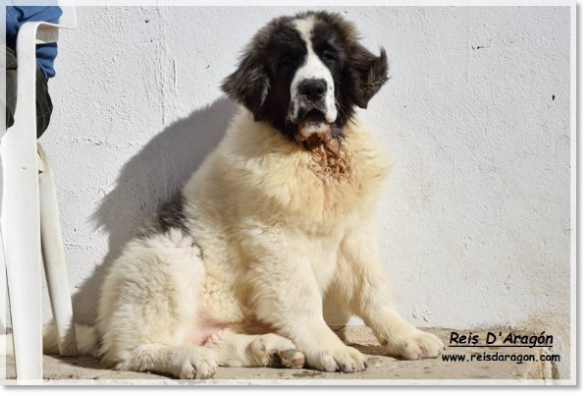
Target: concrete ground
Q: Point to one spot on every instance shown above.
(58, 370)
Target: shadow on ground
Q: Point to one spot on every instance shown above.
(381, 367)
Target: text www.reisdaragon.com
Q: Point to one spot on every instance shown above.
(500, 357)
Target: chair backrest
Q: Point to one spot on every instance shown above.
(68, 18)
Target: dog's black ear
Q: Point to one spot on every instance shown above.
(249, 84)
(366, 72)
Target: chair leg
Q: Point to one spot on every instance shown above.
(54, 260)
(21, 222)
(21, 231)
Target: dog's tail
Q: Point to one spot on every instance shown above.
(87, 339)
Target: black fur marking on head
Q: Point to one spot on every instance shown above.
(264, 75)
(284, 54)
(249, 84)
(262, 81)
(358, 74)
(367, 74)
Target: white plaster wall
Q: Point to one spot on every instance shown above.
(475, 219)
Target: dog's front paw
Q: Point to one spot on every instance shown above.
(191, 362)
(345, 359)
(415, 345)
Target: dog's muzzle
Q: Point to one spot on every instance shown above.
(311, 115)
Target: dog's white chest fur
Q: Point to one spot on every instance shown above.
(324, 260)
(260, 196)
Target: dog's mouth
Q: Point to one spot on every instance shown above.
(313, 122)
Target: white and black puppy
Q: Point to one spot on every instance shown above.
(271, 243)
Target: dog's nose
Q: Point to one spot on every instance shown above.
(314, 89)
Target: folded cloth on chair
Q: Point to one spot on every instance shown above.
(17, 16)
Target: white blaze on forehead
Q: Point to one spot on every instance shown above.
(304, 27)
(313, 68)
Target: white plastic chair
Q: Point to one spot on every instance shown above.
(30, 217)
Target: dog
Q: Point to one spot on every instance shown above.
(271, 243)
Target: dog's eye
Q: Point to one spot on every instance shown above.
(328, 56)
(286, 60)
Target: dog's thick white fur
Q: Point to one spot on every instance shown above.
(281, 240)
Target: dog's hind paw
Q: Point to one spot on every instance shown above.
(276, 351)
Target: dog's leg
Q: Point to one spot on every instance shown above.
(245, 350)
(286, 296)
(362, 285)
(149, 305)
(335, 315)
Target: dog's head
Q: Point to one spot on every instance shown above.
(305, 74)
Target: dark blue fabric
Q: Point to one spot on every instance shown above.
(17, 16)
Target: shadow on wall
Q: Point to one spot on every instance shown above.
(148, 179)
